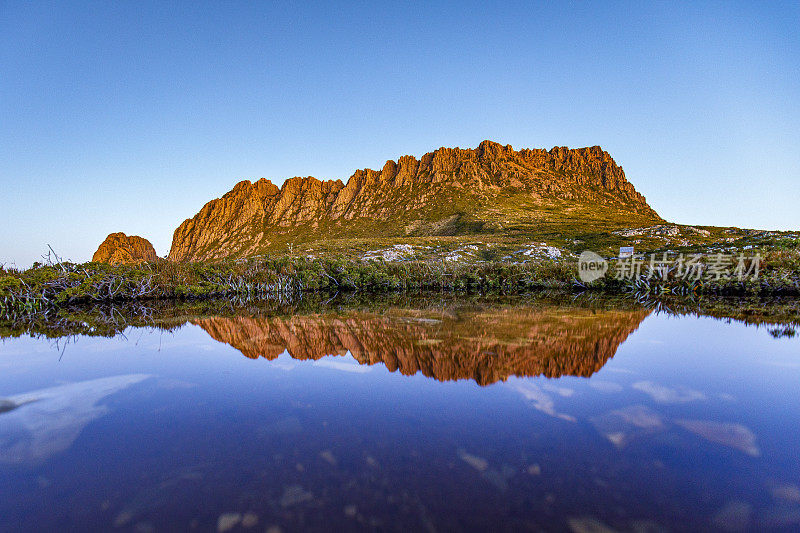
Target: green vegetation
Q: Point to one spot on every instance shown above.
(61, 284)
(465, 269)
(509, 229)
(504, 219)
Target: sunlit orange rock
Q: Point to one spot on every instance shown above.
(121, 248)
(445, 192)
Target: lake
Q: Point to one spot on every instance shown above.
(429, 414)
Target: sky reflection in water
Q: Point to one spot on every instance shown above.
(423, 419)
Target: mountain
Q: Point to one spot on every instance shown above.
(121, 248)
(490, 190)
(485, 344)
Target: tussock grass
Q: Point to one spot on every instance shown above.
(62, 284)
(54, 285)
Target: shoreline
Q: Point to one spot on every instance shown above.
(44, 290)
(109, 319)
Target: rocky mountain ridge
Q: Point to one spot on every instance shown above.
(450, 191)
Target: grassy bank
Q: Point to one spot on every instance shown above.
(69, 284)
(50, 286)
(779, 315)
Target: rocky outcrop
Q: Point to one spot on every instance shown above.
(468, 186)
(121, 248)
(485, 345)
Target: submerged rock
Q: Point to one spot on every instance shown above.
(228, 521)
(295, 494)
(478, 463)
(534, 470)
(497, 477)
(328, 456)
(249, 520)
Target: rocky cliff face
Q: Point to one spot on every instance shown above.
(448, 191)
(121, 248)
(485, 345)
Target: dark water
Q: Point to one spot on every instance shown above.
(459, 416)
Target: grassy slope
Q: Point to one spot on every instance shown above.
(501, 225)
(511, 216)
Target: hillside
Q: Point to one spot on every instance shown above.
(492, 190)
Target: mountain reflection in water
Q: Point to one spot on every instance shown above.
(146, 418)
(485, 345)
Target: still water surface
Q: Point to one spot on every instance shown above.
(439, 418)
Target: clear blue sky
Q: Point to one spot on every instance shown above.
(129, 116)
